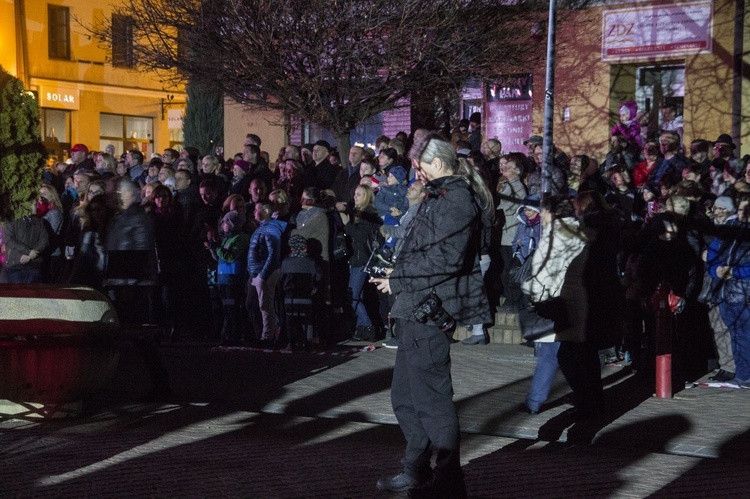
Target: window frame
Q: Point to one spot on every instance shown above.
(123, 52)
(58, 33)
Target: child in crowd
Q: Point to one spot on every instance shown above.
(391, 201)
(628, 125)
(231, 253)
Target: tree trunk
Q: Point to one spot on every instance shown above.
(344, 144)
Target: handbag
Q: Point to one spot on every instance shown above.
(534, 326)
(520, 272)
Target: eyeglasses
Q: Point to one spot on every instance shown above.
(94, 192)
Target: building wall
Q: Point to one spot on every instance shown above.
(90, 79)
(8, 52)
(593, 90)
(239, 120)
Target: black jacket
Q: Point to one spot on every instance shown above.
(441, 251)
(360, 231)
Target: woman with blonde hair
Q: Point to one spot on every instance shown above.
(438, 283)
(50, 209)
(360, 225)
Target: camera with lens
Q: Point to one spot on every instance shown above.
(431, 308)
(378, 265)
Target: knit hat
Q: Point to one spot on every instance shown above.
(243, 165)
(534, 139)
(324, 143)
(231, 219)
(79, 147)
(531, 202)
(725, 202)
(297, 245)
(378, 179)
(399, 173)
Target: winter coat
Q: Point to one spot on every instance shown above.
(391, 196)
(558, 245)
(53, 222)
(527, 236)
(20, 237)
(592, 292)
(264, 254)
(130, 229)
(441, 251)
(511, 196)
(360, 231)
(231, 254)
(735, 253)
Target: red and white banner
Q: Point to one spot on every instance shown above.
(657, 30)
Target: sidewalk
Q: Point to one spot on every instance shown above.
(246, 423)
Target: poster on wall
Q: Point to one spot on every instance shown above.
(645, 32)
(508, 111)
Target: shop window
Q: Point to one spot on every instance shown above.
(58, 32)
(126, 132)
(55, 128)
(122, 41)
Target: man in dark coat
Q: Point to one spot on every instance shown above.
(325, 172)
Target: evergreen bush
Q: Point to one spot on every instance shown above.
(21, 150)
(204, 118)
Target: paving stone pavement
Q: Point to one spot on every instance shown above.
(247, 423)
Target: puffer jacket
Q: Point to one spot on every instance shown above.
(264, 254)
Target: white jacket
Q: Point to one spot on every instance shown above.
(559, 244)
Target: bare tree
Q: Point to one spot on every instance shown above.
(331, 62)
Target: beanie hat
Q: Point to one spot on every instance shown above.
(324, 143)
(231, 219)
(244, 165)
(399, 173)
(531, 202)
(725, 202)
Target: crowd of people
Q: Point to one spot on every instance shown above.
(292, 251)
(220, 228)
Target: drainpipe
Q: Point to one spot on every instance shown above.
(22, 49)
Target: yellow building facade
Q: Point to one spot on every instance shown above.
(601, 63)
(86, 94)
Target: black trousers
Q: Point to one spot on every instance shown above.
(579, 362)
(422, 398)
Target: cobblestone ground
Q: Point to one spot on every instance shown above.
(246, 423)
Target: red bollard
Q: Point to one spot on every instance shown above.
(663, 342)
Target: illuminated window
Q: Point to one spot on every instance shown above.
(126, 132)
(59, 32)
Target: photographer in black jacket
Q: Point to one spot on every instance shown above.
(437, 283)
